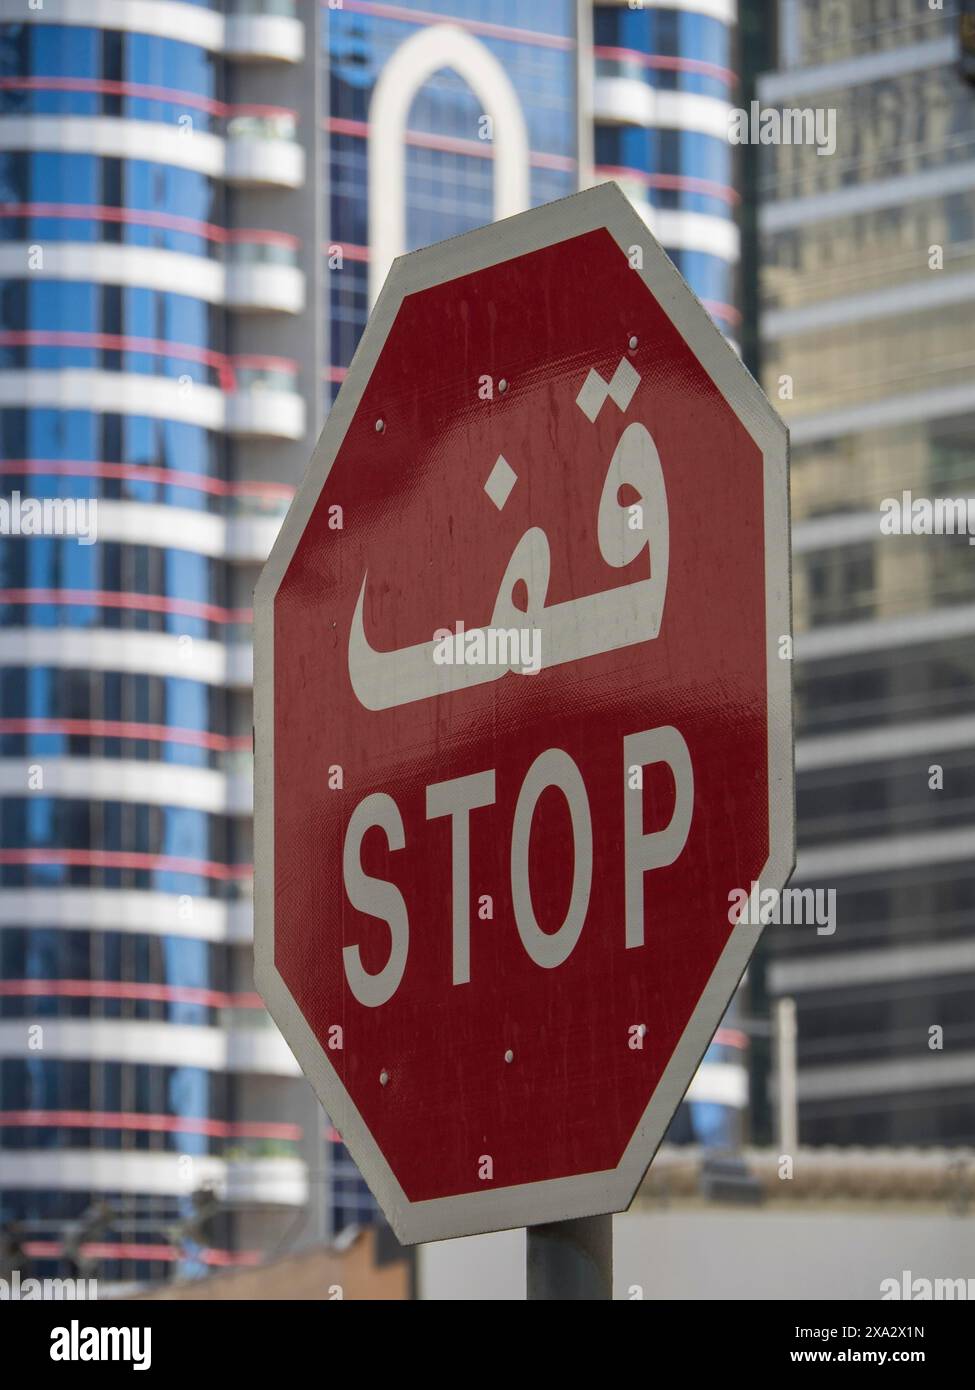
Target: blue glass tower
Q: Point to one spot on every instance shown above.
(152, 320)
(664, 89)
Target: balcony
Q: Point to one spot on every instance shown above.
(263, 275)
(264, 31)
(259, 1051)
(265, 403)
(263, 149)
(278, 1181)
(253, 522)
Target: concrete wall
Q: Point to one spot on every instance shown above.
(731, 1254)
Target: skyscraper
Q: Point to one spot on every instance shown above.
(867, 325)
(664, 87)
(158, 356)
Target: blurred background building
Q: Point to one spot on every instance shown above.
(198, 202)
(159, 341)
(868, 305)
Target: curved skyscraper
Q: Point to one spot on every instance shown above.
(156, 376)
(665, 86)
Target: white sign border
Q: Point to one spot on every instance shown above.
(499, 1208)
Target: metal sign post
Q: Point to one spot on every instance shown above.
(571, 1260)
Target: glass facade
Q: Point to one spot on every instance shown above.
(665, 84)
(868, 354)
(122, 849)
(449, 159)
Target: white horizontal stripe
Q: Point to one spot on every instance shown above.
(841, 528)
(250, 160)
(123, 910)
(102, 649)
(275, 288)
(915, 1073)
(279, 1181)
(785, 88)
(86, 1170)
(125, 393)
(257, 412)
(939, 182)
(936, 291)
(116, 138)
(885, 744)
(243, 159)
(691, 231)
(631, 101)
(120, 779)
(110, 263)
(270, 413)
(855, 858)
(240, 665)
(261, 1051)
(240, 922)
(841, 969)
(720, 1083)
(909, 407)
(258, 1049)
(273, 37)
(841, 639)
(245, 286)
(164, 18)
(180, 528)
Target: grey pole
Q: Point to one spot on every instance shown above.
(571, 1260)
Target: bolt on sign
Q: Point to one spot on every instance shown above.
(522, 721)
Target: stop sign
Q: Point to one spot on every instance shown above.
(523, 720)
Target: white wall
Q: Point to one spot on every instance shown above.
(732, 1254)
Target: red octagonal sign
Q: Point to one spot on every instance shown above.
(523, 720)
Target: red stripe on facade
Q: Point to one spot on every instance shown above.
(100, 212)
(665, 62)
(173, 95)
(128, 989)
(681, 182)
(473, 26)
(118, 859)
(148, 603)
(146, 473)
(423, 139)
(111, 728)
